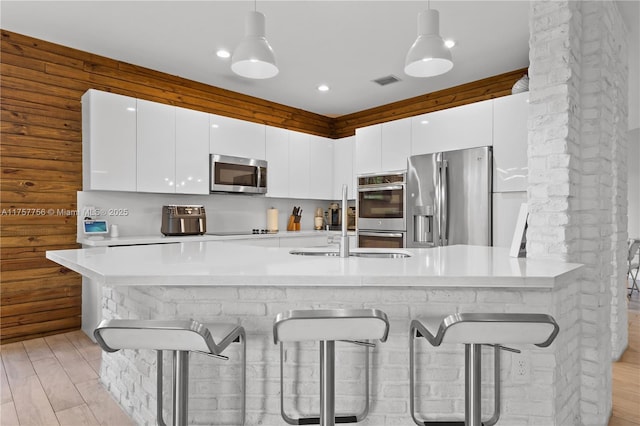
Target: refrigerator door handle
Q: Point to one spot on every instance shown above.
(437, 213)
(444, 200)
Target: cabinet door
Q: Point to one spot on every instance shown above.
(192, 151)
(305, 241)
(320, 168)
(239, 138)
(510, 169)
(396, 144)
(368, 149)
(343, 167)
(108, 141)
(277, 153)
(298, 165)
(467, 126)
(156, 132)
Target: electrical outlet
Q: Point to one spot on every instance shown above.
(520, 368)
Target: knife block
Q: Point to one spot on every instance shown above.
(291, 225)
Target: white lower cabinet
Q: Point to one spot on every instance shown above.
(261, 242)
(156, 147)
(108, 141)
(304, 241)
(288, 241)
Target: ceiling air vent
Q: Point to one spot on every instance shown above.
(383, 81)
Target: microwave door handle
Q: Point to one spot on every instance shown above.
(258, 177)
(380, 188)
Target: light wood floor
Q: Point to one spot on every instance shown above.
(54, 381)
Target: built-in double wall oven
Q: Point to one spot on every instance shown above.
(381, 207)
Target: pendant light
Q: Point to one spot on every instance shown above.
(254, 58)
(428, 56)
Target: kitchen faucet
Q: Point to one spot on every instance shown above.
(344, 238)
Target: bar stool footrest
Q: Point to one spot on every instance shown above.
(445, 423)
(338, 419)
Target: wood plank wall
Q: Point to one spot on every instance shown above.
(481, 90)
(41, 159)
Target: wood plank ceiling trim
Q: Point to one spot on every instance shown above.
(41, 158)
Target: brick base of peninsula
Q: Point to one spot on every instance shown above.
(213, 283)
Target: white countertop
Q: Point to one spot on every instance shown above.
(210, 263)
(163, 239)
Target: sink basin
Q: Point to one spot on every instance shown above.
(373, 253)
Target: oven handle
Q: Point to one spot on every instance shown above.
(381, 234)
(371, 188)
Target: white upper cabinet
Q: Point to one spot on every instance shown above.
(343, 150)
(192, 152)
(108, 141)
(510, 169)
(383, 147)
(396, 144)
(320, 168)
(368, 149)
(466, 126)
(229, 136)
(277, 153)
(298, 165)
(156, 144)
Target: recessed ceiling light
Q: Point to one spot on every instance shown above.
(323, 88)
(222, 53)
(449, 43)
(424, 122)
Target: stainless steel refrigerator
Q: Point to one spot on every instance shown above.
(449, 198)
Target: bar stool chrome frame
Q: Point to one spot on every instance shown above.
(475, 330)
(181, 337)
(328, 326)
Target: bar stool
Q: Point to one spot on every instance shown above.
(474, 330)
(181, 337)
(328, 326)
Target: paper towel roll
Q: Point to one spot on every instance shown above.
(272, 220)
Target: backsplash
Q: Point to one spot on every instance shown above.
(140, 213)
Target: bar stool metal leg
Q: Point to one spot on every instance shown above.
(327, 383)
(180, 388)
(472, 381)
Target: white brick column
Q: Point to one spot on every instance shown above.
(577, 187)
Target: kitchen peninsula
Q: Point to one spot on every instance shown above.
(212, 281)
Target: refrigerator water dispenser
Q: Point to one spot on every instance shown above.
(423, 224)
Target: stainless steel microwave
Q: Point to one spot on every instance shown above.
(238, 174)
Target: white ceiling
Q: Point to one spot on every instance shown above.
(345, 44)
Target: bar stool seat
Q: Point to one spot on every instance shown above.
(180, 337)
(474, 330)
(327, 326)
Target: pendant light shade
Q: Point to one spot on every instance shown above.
(254, 58)
(428, 55)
